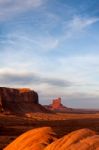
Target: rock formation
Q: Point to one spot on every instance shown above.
(19, 101)
(45, 139)
(58, 106)
(57, 103)
(36, 139)
(83, 139)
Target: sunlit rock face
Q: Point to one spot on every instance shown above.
(83, 139)
(36, 139)
(58, 106)
(45, 139)
(19, 101)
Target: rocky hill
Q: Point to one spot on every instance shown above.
(45, 139)
(19, 101)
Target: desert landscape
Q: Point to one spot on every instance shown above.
(37, 118)
(13, 126)
(49, 74)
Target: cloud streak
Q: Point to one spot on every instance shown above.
(77, 25)
(41, 43)
(10, 8)
(11, 78)
(80, 23)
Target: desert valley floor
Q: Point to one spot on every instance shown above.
(12, 126)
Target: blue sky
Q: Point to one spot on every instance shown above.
(51, 46)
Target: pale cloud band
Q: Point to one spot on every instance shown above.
(21, 79)
(11, 8)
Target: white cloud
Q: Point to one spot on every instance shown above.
(6, 4)
(82, 70)
(77, 25)
(13, 78)
(10, 8)
(25, 41)
(46, 43)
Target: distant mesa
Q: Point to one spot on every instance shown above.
(58, 106)
(19, 101)
(46, 139)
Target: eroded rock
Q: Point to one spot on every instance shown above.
(36, 139)
(19, 101)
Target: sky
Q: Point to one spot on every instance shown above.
(52, 47)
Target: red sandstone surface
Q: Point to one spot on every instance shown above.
(45, 139)
(58, 106)
(19, 101)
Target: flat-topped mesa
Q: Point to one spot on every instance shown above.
(18, 95)
(21, 100)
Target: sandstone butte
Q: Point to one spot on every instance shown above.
(45, 139)
(19, 101)
(58, 106)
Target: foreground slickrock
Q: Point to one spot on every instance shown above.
(45, 139)
(19, 101)
(83, 139)
(36, 139)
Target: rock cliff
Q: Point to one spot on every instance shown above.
(20, 101)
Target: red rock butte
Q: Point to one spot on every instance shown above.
(56, 103)
(19, 101)
(58, 106)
